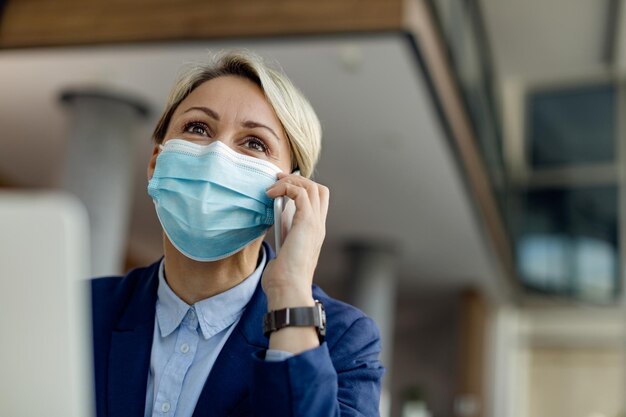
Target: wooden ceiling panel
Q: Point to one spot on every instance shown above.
(31, 23)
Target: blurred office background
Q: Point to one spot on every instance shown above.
(475, 152)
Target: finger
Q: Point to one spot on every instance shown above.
(324, 198)
(318, 194)
(311, 187)
(299, 195)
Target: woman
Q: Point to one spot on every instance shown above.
(221, 326)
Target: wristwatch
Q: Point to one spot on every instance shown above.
(297, 316)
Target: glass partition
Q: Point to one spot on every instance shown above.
(567, 242)
(562, 213)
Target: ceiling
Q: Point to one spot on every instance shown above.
(546, 40)
(389, 166)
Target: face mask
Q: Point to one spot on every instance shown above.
(210, 199)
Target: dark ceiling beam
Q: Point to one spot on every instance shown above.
(2, 5)
(30, 23)
(6, 182)
(611, 32)
(420, 21)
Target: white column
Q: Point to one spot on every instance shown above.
(98, 168)
(372, 285)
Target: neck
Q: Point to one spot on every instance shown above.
(193, 281)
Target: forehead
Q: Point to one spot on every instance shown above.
(231, 96)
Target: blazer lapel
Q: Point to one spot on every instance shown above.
(131, 345)
(229, 379)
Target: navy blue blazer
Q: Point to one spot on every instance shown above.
(342, 377)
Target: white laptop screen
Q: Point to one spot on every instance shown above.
(45, 347)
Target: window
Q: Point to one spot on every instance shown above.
(567, 242)
(571, 126)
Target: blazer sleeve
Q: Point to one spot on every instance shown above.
(343, 379)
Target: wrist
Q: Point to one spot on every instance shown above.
(289, 297)
(294, 339)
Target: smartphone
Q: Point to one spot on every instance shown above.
(284, 210)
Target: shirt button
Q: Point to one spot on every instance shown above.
(184, 348)
(165, 407)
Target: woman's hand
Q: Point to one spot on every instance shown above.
(287, 279)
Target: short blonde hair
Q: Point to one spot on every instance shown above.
(301, 125)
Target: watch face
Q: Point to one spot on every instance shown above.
(322, 318)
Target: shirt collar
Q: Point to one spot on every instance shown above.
(214, 313)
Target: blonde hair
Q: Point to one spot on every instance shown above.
(296, 114)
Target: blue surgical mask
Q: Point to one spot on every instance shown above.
(210, 199)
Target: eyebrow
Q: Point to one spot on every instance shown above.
(209, 112)
(251, 125)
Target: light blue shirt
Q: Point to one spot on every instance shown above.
(188, 339)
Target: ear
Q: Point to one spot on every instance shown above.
(152, 164)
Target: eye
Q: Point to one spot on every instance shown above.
(256, 144)
(196, 128)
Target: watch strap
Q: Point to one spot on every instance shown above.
(314, 316)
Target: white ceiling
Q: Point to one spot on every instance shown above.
(388, 164)
(537, 40)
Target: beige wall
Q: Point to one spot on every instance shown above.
(575, 382)
(555, 360)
